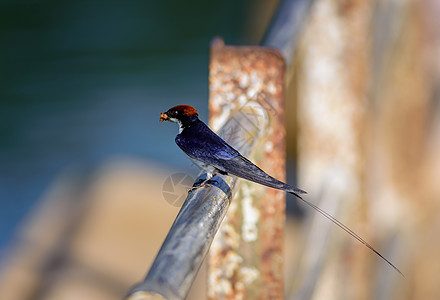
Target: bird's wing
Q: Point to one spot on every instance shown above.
(242, 167)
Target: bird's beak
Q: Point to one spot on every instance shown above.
(163, 117)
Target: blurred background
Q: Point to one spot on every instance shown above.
(82, 85)
(83, 157)
(85, 81)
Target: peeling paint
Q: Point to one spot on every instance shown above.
(249, 275)
(249, 229)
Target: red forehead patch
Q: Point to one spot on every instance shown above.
(188, 110)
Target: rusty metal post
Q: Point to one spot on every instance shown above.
(246, 257)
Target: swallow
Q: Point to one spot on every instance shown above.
(213, 155)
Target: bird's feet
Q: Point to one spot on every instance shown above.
(202, 183)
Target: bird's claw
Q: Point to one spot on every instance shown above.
(195, 188)
(202, 183)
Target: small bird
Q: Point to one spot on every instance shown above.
(213, 155)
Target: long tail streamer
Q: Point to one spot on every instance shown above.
(348, 230)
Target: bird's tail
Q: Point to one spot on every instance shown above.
(346, 229)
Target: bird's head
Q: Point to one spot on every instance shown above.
(181, 114)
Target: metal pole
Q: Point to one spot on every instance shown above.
(179, 259)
